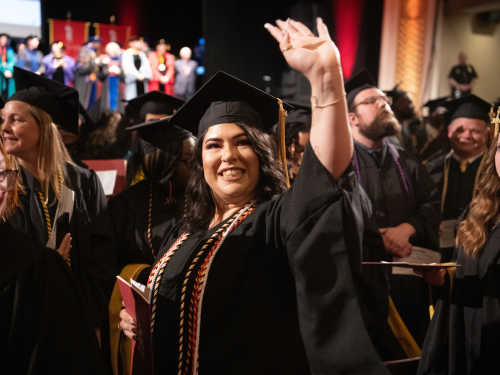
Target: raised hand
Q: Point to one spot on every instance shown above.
(312, 55)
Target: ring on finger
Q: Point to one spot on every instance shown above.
(287, 47)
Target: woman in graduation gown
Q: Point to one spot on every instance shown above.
(44, 327)
(55, 194)
(464, 336)
(256, 280)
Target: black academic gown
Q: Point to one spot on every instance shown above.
(93, 257)
(372, 285)
(392, 207)
(130, 215)
(464, 336)
(44, 325)
(459, 191)
(280, 297)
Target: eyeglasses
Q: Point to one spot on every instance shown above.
(7, 180)
(374, 99)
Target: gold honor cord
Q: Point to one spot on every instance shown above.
(281, 139)
(47, 215)
(495, 121)
(447, 170)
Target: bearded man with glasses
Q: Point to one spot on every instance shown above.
(404, 198)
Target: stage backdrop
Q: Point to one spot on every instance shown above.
(113, 33)
(72, 33)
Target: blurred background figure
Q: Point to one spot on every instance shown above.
(462, 77)
(30, 58)
(7, 62)
(185, 75)
(87, 69)
(111, 77)
(59, 66)
(162, 66)
(136, 69)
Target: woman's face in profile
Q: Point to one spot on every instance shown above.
(20, 131)
(230, 164)
(3, 196)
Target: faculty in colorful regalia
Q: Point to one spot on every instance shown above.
(7, 62)
(162, 66)
(256, 279)
(56, 195)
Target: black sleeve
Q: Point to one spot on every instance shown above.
(426, 215)
(44, 323)
(102, 257)
(320, 222)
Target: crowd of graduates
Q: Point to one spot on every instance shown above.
(282, 203)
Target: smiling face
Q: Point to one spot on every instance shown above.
(468, 136)
(231, 166)
(20, 131)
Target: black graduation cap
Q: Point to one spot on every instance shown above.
(2, 103)
(158, 134)
(360, 82)
(58, 100)
(300, 114)
(468, 106)
(226, 99)
(439, 102)
(154, 102)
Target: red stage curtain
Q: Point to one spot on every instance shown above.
(347, 16)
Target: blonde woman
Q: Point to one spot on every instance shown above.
(464, 336)
(43, 328)
(57, 197)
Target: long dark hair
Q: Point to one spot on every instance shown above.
(158, 164)
(200, 208)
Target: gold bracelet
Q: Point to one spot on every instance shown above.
(316, 105)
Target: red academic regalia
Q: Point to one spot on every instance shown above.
(154, 83)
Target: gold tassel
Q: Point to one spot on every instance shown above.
(496, 121)
(281, 139)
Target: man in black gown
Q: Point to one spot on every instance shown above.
(457, 174)
(404, 198)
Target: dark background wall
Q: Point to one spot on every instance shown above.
(236, 40)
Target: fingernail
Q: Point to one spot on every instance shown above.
(267, 25)
(131, 321)
(320, 19)
(283, 32)
(292, 21)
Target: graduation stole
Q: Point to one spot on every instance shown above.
(65, 204)
(398, 164)
(194, 315)
(447, 162)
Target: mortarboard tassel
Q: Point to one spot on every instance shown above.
(281, 139)
(496, 121)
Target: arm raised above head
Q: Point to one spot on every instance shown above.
(319, 60)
